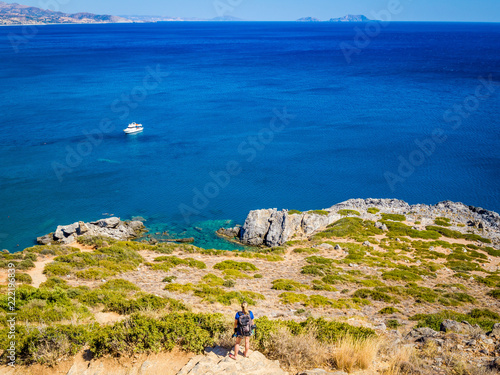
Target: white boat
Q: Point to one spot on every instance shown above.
(133, 128)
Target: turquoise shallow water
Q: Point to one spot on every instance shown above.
(349, 124)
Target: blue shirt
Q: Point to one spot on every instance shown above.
(241, 313)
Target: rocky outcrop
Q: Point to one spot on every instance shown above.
(273, 228)
(270, 227)
(112, 227)
(217, 362)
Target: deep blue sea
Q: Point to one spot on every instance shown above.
(407, 117)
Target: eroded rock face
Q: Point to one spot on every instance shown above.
(273, 228)
(112, 227)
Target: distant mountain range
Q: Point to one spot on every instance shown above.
(15, 14)
(178, 19)
(348, 18)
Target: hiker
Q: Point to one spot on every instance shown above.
(243, 326)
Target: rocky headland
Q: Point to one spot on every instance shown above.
(270, 227)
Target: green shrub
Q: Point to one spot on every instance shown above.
(306, 250)
(474, 317)
(94, 273)
(51, 250)
(234, 265)
(463, 266)
(348, 213)
(142, 302)
(320, 285)
(140, 334)
(57, 269)
(169, 279)
(393, 217)
(169, 262)
(47, 346)
(23, 278)
(228, 283)
(442, 221)
(53, 282)
(235, 274)
(294, 212)
(375, 295)
(349, 227)
(181, 288)
(389, 310)
(286, 284)
(95, 241)
(398, 274)
(319, 260)
(373, 210)
(212, 280)
(258, 276)
(318, 212)
(494, 293)
(393, 324)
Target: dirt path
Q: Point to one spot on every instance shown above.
(37, 272)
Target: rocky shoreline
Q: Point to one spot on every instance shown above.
(271, 228)
(112, 227)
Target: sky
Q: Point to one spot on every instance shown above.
(286, 10)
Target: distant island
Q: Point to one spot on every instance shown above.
(308, 19)
(16, 14)
(347, 18)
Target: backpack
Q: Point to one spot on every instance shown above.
(245, 324)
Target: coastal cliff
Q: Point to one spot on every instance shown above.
(270, 227)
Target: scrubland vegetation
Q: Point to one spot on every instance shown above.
(386, 272)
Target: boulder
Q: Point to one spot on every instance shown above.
(449, 325)
(229, 232)
(422, 332)
(366, 243)
(59, 234)
(495, 332)
(217, 362)
(82, 228)
(111, 222)
(45, 240)
(337, 247)
(70, 229)
(326, 246)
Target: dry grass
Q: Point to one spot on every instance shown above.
(402, 360)
(351, 353)
(298, 352)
